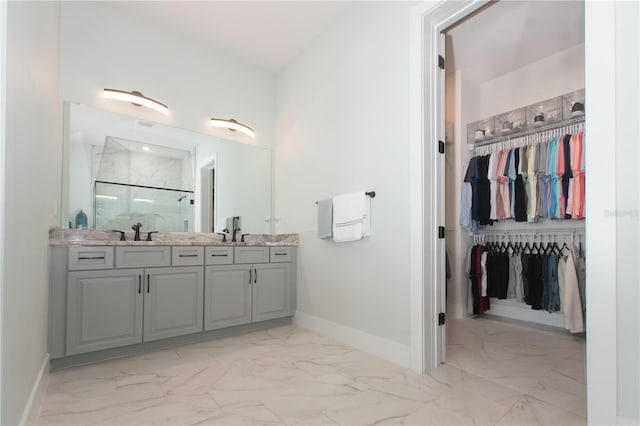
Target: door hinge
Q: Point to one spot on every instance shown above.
(441, 147)
(440, 62)
(440, 232)
(441, 318)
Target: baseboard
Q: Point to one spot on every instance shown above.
(520, 311)
(387, 349)
(32, 409)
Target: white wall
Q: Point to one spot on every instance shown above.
(101, 47)
(555, 75)
(342, 126)
(613, 335)
(30, 183)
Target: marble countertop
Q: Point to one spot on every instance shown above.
(68, 237)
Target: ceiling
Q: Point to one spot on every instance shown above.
(265, 34)
(269, 34)
(508, 35)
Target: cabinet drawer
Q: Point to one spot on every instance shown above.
(219, 255)
(187, 256)
(83, 258)
(248, 254)
(280, 254)
(142, 257)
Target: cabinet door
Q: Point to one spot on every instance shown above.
(173, 301)
(271, 291)
(104, 310)
(227, 296)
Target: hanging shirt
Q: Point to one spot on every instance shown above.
(572, 307)
(566, 177)
(532, 183)
(493, 170)
(483, 192)
(543, 179)
(483, 269)
(551, 167)
(503, 197)
(466, 200)
(511, 173)
(560, 206)
(520, 197)
(575, 205)
(519, 284)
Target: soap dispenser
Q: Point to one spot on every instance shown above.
(81, 220)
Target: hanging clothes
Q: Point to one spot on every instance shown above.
(545, 180)
(571, 304)
(550, 287)
(520, 197)
(479, 303)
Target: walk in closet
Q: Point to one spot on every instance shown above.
(514, 164)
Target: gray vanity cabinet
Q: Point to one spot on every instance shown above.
(104, 299)
(271, 291)
(227, 296)
(134, 302)
(173, 302)
(111, 308)
(248, 292)
(104, 309)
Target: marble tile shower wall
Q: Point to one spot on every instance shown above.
(141, 169)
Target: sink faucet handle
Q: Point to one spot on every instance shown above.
(224, 236)
(122, 238)
(242, 238)
(149, 234)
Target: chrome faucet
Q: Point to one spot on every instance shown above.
(136, 228)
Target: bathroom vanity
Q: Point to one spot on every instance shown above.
(112, 298)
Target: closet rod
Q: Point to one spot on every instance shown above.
(532, 231)
(531, 131)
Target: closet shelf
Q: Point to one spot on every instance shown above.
(530, 131)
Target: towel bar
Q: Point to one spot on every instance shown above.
(371, 194)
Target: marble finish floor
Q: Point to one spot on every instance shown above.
(497, 374)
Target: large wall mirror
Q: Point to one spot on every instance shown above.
(119, 171)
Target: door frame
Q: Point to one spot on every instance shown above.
(208, 207)
(428, 21)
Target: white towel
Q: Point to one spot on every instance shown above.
(350, 217)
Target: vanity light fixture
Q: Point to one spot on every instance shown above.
(136, 98)
(232, 125)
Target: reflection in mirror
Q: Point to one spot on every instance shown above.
(138, 182)
(119, 171)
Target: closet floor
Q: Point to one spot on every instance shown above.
(545, 365)
(289, 375)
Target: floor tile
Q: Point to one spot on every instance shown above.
(497, 374)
